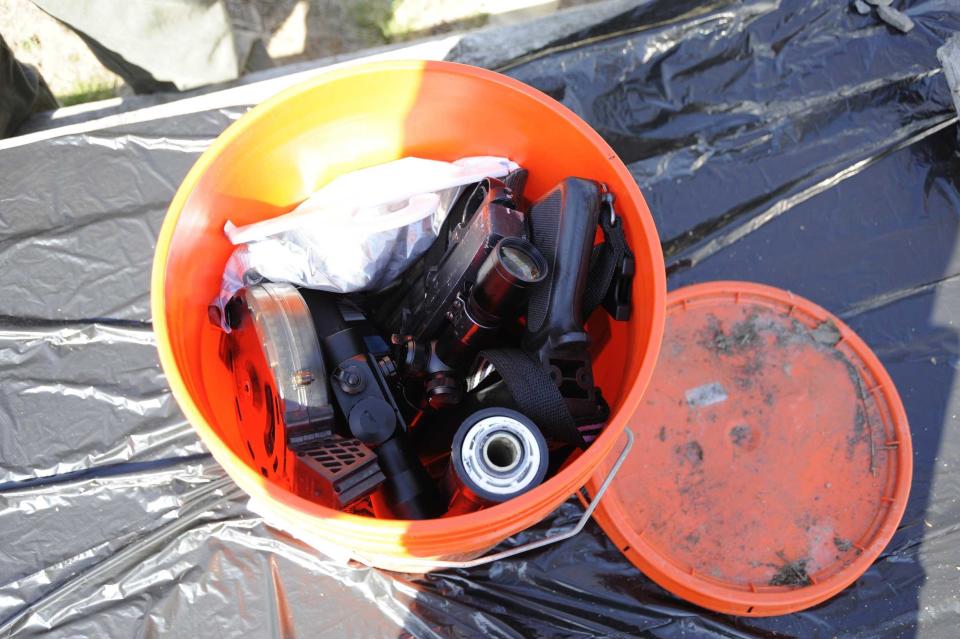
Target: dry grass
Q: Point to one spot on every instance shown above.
(72, 71)
(294, 30)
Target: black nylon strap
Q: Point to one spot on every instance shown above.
(535, 393)
(604, 260)
(603, 265)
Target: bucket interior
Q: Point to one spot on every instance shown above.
(276, 156)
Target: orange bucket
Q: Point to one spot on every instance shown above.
(349, 118)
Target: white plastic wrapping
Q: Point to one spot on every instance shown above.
(357, 233)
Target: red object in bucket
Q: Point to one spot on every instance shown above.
(348, 118)
(773, 457)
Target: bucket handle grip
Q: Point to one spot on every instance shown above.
(427, 564)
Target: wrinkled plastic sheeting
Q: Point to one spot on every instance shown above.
(795, 143)
(949, 56)
(170, 552)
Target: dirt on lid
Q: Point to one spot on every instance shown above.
(792, 573)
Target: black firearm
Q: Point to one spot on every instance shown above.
(460, 303)
(360, 364)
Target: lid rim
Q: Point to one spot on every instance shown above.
(705, 591)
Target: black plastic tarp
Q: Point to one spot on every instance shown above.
(795, 143)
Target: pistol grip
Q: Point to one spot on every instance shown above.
(564, 223)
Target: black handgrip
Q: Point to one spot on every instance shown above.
(564, 222)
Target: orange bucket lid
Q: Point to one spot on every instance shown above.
(773, 457)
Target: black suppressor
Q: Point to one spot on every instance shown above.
(364, 399)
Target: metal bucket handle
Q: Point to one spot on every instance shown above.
(428, 564)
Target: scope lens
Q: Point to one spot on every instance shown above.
(519, 262)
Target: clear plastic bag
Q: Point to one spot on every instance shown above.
(357, 233)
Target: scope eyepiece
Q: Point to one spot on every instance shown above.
(506, 276)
